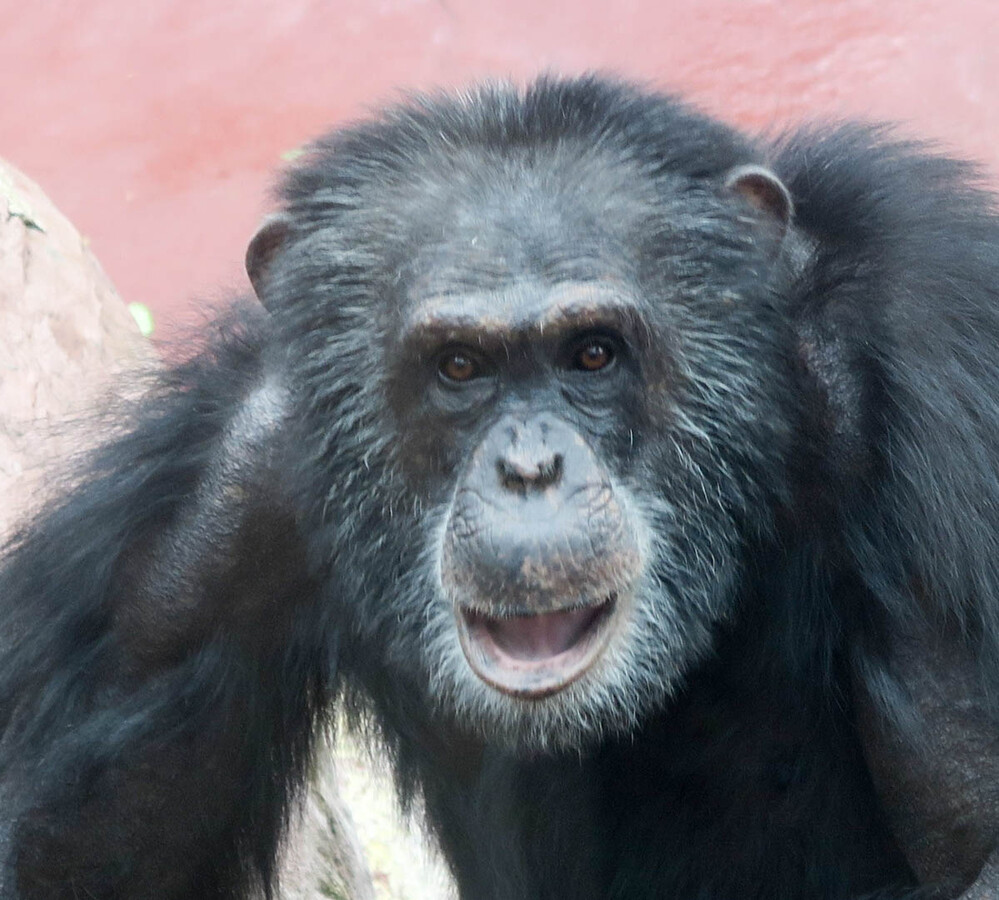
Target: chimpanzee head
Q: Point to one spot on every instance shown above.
(536, 341)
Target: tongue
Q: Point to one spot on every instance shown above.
(543, 636)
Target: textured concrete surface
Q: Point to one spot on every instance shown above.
(64, 333)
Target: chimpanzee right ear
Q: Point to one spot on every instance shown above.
(766, 193)
(264, 247)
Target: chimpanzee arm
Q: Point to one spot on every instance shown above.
(158, 684)
(938, 776)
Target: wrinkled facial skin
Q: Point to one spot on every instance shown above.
(570, 596)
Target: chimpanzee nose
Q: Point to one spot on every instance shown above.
(535, 523)
(526, 460)
(520, 474)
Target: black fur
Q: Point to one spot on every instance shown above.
(810, 433)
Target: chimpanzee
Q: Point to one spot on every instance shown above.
(636, 483)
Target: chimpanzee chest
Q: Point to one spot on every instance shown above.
(739, 790)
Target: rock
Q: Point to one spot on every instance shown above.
(63, 333)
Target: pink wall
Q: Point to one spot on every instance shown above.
(157, 125)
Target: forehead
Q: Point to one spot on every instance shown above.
(477, 219)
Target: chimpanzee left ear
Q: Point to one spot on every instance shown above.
(765, 192)
(264, 247)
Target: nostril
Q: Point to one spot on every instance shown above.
(512, 476)
(550, 472)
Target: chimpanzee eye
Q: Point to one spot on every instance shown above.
(457, 366)
(593, 354)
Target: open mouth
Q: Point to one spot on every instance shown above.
(535, 655)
